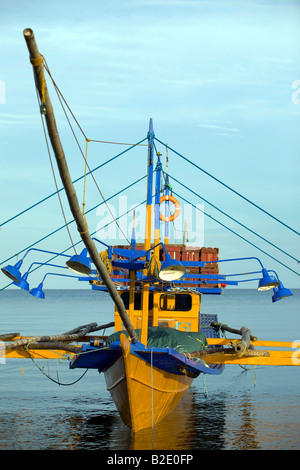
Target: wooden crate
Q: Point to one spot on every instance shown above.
(189, 253)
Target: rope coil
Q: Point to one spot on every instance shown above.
(106, 260)
(37, 62)
(153, 267)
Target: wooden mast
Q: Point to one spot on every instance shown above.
(167, 192)
(147, 243)
(157, 207)
(82, 227)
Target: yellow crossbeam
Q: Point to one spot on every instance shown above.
(289, 357)
(9, 353)
(36, 353)
(21, 353)
(268, 344)
(276, 357)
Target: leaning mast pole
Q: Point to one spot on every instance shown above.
(38, 69)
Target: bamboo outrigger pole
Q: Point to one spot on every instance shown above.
(38, 68)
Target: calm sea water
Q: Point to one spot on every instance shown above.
(257, 408)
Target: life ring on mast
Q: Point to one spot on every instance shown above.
(174, 216)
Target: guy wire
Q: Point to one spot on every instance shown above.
(60, 97)
(54, 177)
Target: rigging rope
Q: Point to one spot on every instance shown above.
(41, 369)
(72, 114)
(80, 241)
(61, 98)
(74, 181)
(84, 180)
(240, 236)
(106, 260)
(154, 265)
(226, 186)
(52, 169)
(232, 218)
(42, 61)
(84, 187)
(63, 226)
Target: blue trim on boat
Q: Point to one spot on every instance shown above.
(95, 357)
(167, 359)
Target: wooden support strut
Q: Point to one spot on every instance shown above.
(232, 351)
(8, 336)
(54, 342)
(238, 348)
(55, 346)
(242, 347)
(63, 337)
(225, 327)
(82, 226)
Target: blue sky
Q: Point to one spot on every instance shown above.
(220, 80)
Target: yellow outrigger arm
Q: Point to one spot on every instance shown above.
(34, 350)
(36, 353)
(282, 353)
(13, 345)
(288, 355)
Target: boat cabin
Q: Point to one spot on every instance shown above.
(180, 306)
(178, 310)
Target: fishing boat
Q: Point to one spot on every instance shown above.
(161, 340)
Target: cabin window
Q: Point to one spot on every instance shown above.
(137, 300)
(177, 302)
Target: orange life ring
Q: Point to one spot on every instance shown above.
(174, 216)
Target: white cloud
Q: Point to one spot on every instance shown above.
(220, 128)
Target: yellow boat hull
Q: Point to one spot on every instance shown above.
(144, 395)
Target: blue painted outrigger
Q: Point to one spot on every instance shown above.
(167, 359)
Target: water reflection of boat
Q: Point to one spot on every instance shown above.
(198, 428)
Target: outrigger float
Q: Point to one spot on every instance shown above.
(161, 342)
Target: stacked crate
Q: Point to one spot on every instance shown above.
(192, 254)
(209, 254)
(188, 253)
